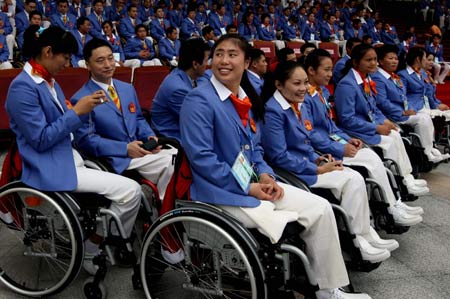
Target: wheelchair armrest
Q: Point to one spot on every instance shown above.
(289, 178)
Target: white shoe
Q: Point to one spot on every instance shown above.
(417, 190)
(401, 217)
(411, 181)
(410, 210)
(370, 253)
(374, 239)
(438, 153)
(338, 294)
(434, 159)
(173, 257)
(6, 217)
(88, 265)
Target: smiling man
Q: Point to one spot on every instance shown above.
(116, 130)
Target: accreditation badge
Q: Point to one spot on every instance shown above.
(132, 108)
(242, 171)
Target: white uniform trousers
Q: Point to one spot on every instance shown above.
(320, 234)
(157, 168)
(423, 126)
(376, 170)
(436, 112)
(153, 62)
(349, 188)
(124, 193)
(394, 149)
(441, 70)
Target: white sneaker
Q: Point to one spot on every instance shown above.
(173, 257)
(434, 159)
(417, 190)
(339, 294)
(88, 264)
(374, 239)
(370, 253)
(410, 210)
(401, 217)
(409, 180)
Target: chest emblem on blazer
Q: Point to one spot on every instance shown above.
(68, 104)
(1, 46)
(132, 108)
(308, 125)
(253, 125)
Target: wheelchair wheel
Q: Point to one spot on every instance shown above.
(217, 262)
(42, 249)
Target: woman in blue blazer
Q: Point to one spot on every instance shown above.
(222, 143)
(328, 138)
(437, 108)
(392, 101)
(359, 116)
(43, 122)
(287, 144)
(246, 28)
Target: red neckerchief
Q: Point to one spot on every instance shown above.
(242, 108)
(368, 86)
(297, 111)
(319, 90)
(417, 70)
(396, 79)
(39, 70)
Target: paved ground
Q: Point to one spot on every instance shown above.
(420, 268)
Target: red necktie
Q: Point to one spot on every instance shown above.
(111, 40)
(162, 23)
(242, 107)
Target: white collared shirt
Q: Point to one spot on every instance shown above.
(358, 78)
(384, 73)
(283, 102)
(223, 91)
(254, 74)
(105, 86)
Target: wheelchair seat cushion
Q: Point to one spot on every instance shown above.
(89, 199)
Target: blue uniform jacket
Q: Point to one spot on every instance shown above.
(256, 82)
(43, 134)
(353, 109)
(338, 67)
(325, 32)
(212, 135)
(22, 22)
(390, 96)
(96, 27)
(116, 46)
(438, 51)
(127, 28)
(286, 141)
(415, 88)
(144, 14)
(390, 38)
(74, 11)
(266, 33)
(167, 103)
(106, 131)
(57, 20)
(216, 24)
(430, 92)
(4, 51)
(323, 126)
(167, 50)
(134, 46)
(156, 30)
(248, 32)
(188, 28)
(290, 31)
(79, 55)
(175, 18)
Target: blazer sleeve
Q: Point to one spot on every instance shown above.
(131, 50)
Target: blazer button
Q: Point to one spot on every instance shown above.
(247, 147)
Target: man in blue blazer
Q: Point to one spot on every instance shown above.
(97, 17)
(340, 64)
(256, 69)
(189, 27)
(166, 106)
(117, 129)
(219, 20)
(159, 25)
(145, 12)
(82, 36)
(355, 30)
(140, 47)
(23, 18)
(128, 24)
(7, 30)
(62, 18)
(169, 46)
(77, 8)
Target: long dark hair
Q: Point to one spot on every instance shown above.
(282, 73)
(61, 41)
(413, 54)
(257, 103)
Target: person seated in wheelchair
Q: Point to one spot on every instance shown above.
(286, 142)
(117, 130)
(326, 137)
(359, 116)
(220, 133)
(391, 99)
(44, 122)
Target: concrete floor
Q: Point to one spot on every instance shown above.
(419, 269)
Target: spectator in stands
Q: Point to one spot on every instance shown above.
(231, 29)
(116, 46)
(391, 100)
(340, 64)
(166, 106)
(169, 47)
(62, 18)
(311, 30)
(329, 31)
(82, 36)
(208, 35)
(116, 13)
(355, 30)
(97, 17)
(376, 32)
(175, 15)
(257, 68)
(23, 18)
(246, 28)
(201, 17)
(285, 54)
(389, 35)
(412, 30)
(441, 68)
(367, 39)
(117, 129)
(359, 116)
(4, 54)
(189, 27)
(7, 31)
(220, 20)
(159, 24)
(426, 6)
(77, 8)
(46, 8)
(292, 30)
(127, 27)
(145, 12)
(437, 108)
(304, 51)
(266, 31)
(140, 47)
(213, 136)
(37, 107)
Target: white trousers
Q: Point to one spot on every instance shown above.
(10, 41)
(5, 65)
(157, 168)
(394, 149)
(124, 193)
(440, 71)
(423, 126)
(375, 167)
(320, 234)
(153, 62)
(436, 112)
(349, 188)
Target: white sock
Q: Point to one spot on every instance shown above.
(90, 248)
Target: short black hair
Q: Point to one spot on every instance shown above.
(385, 49)
(192, 50)
(207, 30)
(34, 13)
(255, 54)
(81, 20)
(136, 29)
(306, 46)
(283, 53)
(170, 29)
(93, 44)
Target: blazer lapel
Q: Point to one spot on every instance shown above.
(110, 104)
(230, 110)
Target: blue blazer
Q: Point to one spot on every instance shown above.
(167, 50)
(50, 8)
(265, 33)
(116, 46)
(156, 30)
(126, 27)
(307, 31)
(390, 97)
(201, 18)
(96, 27)
(376, 35)
(338, 68)
(350, 32)
(216, 24)
(4, 51)
(430, 91)
(134, 46)
(415, 88)
(325, 32)
(286, 141)
(145, 15)
(353, 108)
(57, 20)
(389, 38)
(256, 82)
(290, 31)
(188, 28)
(323, 125)
(212, 135)
(248, 32)
(79, 55)
(22, 22)
(437, 51)
(175, 18)
(74, 11)
(43, 134)
(167, 103)
(106, 131)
